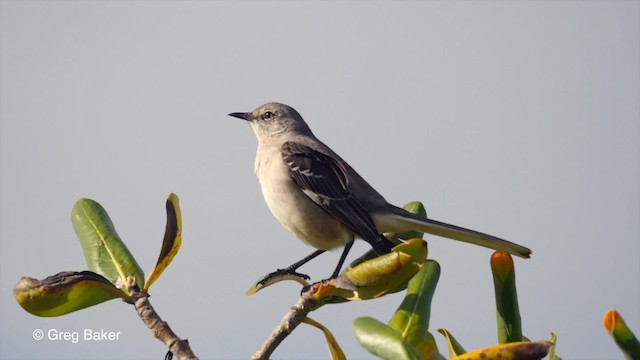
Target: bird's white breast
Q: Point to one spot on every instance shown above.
(295, 211)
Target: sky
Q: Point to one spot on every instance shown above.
(519, 119)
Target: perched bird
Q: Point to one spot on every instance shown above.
(323, 201)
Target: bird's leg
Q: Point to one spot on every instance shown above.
(291, 270)
(343, 257)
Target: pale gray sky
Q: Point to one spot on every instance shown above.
(520, 119)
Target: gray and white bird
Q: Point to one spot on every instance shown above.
(324, 202)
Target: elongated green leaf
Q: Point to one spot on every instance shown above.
(414, 207)
(622, 335)
(63, 293)
(171, 241)
(453, 345)
(382, 341)
(334, 349)
(507, 311)
(411, 319)
(104, 252)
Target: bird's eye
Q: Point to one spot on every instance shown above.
(267, 115)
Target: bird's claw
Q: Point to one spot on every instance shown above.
(324, 281)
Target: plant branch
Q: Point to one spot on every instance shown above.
(297, 313)
(159, 328)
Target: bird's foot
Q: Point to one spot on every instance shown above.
(323, 281)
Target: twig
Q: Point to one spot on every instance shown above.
(159, 328)
(289, 322)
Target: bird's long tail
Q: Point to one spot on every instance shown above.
(401, 219)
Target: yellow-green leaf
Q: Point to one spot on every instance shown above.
(383, 271)
(65, 292)
(171, 241)
(453, 345)
(552, 351)
(371, 253)
(334, 349)
(522, 350)
(376, 277)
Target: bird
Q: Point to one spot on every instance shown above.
(324, 202)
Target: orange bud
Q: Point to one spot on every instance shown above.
(501, 264)
(612, 319)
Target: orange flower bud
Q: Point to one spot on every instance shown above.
(501, 264)
(612, 319)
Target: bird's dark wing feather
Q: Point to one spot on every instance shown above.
(325, 182)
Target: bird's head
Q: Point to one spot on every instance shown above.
(274, 119)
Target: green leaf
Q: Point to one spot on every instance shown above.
(382, 341)
(622, 334)
(63, 293)
(171, 241)
(411, 319)
(105, 253)
(453, 345)
(414, 207)
(507, 310)
(334, 349)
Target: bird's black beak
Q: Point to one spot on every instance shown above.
(241, 115)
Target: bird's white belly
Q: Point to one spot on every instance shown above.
(296, 212)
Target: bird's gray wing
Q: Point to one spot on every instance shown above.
(324, 180)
